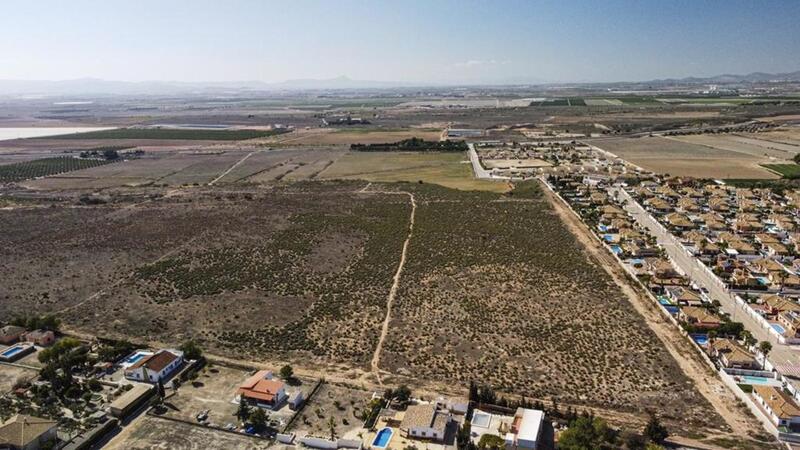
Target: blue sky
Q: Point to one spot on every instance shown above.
(412, 41)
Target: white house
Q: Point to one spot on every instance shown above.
(525, 430)
(426, 421)
(155, 367)
(781, 407)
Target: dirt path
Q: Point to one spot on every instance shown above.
(706, 381)
(376, 357)
(235, 165)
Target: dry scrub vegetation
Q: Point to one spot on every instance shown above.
(499, 291)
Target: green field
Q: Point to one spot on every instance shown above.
(47, 166)
(786, 170)
(171, 133)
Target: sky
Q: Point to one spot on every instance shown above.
(428, 41)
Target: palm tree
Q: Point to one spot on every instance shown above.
(765, 347)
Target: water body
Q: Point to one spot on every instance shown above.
(31, 132)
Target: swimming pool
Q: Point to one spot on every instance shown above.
(9, 352)
(673, 310)
(777, 327)
(701, 339)
(382, 438)
(616, 249)
(608, 237)
(664, 301)
(135, 358)
(757, 380)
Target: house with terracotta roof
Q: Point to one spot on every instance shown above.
(155, 367)
(779, 405)
(775, 304)
(732, 355)
(262, 389)
(42, 338)
(23, 432)
(699, 317)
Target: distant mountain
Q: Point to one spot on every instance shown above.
(755, 77)
(109, 87)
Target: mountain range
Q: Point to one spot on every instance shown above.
(110, 87)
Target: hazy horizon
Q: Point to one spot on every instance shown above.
(409, 42)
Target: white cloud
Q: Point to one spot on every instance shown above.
(481, 62)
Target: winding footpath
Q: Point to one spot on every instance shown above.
(376, 357)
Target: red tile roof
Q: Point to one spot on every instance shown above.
(260, 388)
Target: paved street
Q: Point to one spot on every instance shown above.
(781, 354)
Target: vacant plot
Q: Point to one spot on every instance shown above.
(343, 403)
(11, 375)
(501, 292)
(447, 169)
(152, 433)
(172, 134)
(745, 145)
(676, 157)
(301, 270)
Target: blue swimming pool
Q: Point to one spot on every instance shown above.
(382, 438)
(701, 339)
(135, 358)
(664, 301)
(9, 352)
(608, 237)
(673, 310)
(602, 228)
(747, 379)
(616, 249)
(777, 327)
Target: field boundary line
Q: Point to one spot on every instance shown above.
(235, 165)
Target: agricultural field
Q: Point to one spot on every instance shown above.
(786, 170)
(750, 144)
(447, 169)
(347, 136)
(45, 167)
(172, 134)
(677, 157)
(499, 291)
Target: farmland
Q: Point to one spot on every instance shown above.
(46, 166)
(172, 134)
(786, 170)
(679, 157)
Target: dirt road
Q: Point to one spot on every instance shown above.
(376, 357)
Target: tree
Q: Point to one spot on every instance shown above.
(287, 372)
(191, 350)
(587, 433)
(654, 431)
(402, 394)
(244, 410)
(332, 427)
(765, 347)
(160, 392)
(258, 418)
(491, 442)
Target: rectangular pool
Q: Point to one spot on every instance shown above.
(777, 327)
(382, 438)
(9, 352)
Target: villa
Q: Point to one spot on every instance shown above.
(780, 406)
(28, 433)
(156, 367)
(699, 317)
(263, 390)
(732, 355)
(10, 334)
(525, 430)
(426, 421)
